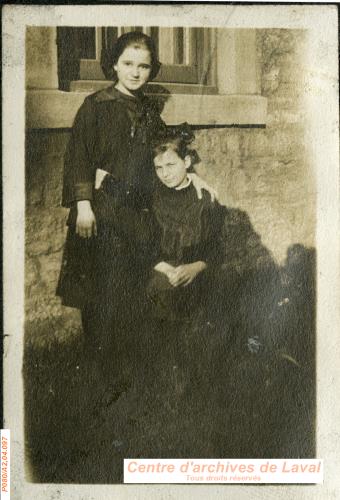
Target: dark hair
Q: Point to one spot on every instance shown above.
(178, 139)
(110, 55)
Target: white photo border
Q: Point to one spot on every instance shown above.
(323, 138)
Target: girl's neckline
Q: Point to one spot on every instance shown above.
(129, 97)
(165, 190)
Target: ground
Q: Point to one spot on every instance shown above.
(253, 396)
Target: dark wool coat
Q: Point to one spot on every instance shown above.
(111, 131)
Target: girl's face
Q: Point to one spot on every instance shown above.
(133, 69)
(171, 169)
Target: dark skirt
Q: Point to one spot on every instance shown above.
(107, 269)
(173, 303)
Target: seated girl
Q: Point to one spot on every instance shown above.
(188, 245)
(187, 248)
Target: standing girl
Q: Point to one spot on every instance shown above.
(108, 181)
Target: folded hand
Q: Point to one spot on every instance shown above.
(186, 273)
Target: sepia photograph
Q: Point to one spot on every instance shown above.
(171, 200)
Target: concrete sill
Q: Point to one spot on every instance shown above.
(151, 88)
(49, 109)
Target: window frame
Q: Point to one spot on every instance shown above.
(199, 76)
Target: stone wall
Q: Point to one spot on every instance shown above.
(45, 237)
(264, 172)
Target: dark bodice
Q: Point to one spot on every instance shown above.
(112, 131)
(190, 229)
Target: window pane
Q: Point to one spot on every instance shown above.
(165, 45)
(178, 40)
(154, 35)
(87, 43)
(109, 36)
(188, 44)
(175, 45)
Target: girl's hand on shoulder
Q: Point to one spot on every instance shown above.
(200, 184)
(185, 274)
(86, 221)
(164, 268)
(100, 174)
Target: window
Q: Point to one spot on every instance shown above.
(184, 53)
(223, 63)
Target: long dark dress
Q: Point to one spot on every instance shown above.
(102, 275)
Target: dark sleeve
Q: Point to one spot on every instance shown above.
(212, 225)
(147, 235)
(155, 252)
(78, 166)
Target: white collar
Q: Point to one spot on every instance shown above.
(185, 185)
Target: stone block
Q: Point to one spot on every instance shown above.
(271, 82)
(44, 168)
(53, 181)
(41, 65)
(233, 143)
(279, 116)
(45, 232)
(49, 270)
(286, 141)
(35, 196)
(255, 143)
(44, 142)
(32, 276)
